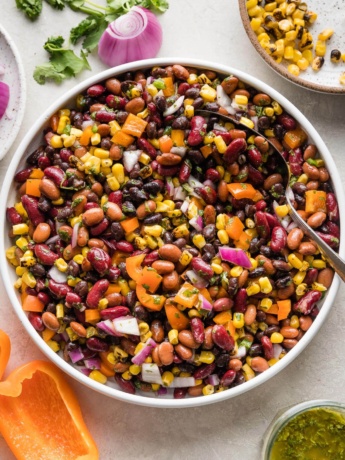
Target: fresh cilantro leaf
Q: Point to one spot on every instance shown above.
(91, 29)
(57, 4)
(63, 62)
(31, 8)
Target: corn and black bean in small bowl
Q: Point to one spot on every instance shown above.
(302, 41)
(147, 249)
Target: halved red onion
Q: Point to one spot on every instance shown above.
(170, 186)
(180, 151)
(193, 182)
(184, 207)
(53, 239)
(213, 379)
(131, 37)
(4, 97)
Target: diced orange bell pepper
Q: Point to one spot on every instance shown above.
(295, 138)
(150, 279)
(243, 241)
(206, 150)
(153, 302)
(222, 317)
(169, 89)
(122, 138)
(315, 201)
(176, 318)
(118, 257)
(177, 136)
(36, 174)
(40, 416)
(47, 334)
(204, 292)
(234, 227)
(134, 268)
(92, 315)
(134, 126)
(242, 190)
(130, 224)
(33, 187)
(229, 326)
(86, 136)
(284, 308)
(33, 303)
(187, 296)
(165, 143)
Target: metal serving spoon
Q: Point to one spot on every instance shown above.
(334, 260)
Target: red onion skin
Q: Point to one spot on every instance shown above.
(4, 97)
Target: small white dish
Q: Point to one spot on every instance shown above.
(14, 76)
(326, 80)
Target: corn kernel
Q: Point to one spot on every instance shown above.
(294, 321)
(98, 376)
(102, 304)
(20, 229)
(18, 283)
(61, 265)
(293, 69)
(236, 271)
(320, 48)
(143, 328)
(308, 55)
(325, 34)
(56, 142)
(208, 93)
(282, 211)
(167, 378)
(319, 264)
(342, 77)
(21, 270)
(199, 241)
(185, 258)
(316, 287)
(303, 63)
(173, 336)
(277, 337)
(299, 277)
(220, 144)
(251, 4)
(126, 375)
(119, 353)
(218, 269)
(206, 357)
(176, 371)
(266, 304)
(208, 390)
(238, 320)
(317, 63)
(134, 369)
(247, 122)
(223, 236)
(265, 285)
(54, 345)
(294, 261)
(29, 279)
(248, 372)
(95, 139)
(113, 183)
(255, 24)
(193, 313)
(303, 178)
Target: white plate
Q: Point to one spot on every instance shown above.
(330, 15)
(15, 78)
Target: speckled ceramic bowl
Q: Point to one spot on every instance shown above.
(325, 80)
(33, 139)
(13, 75)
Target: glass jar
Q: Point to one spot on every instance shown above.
(286, 415)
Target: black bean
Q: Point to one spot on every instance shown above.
(192, 93)
(260, 271)
(271, 329)
(222, 360)
(255, 350)
(181, 122)
(209, 232)
(140, 312)
(283, 282)
(44, 204)
(38, 270)
(168, 238)
(81, 288)
(151, 130)
(129, 209)
(130, 299)
(73, 269)
(137, 195)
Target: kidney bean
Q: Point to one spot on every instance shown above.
(148, 148)
(114, 312)
(204, 371)
(222, 338)
(306, 303)
(267, 347)
(198, 331)
(45, 255)
(331, 240)
(13, 216)
(332, 207)
(234, 149)
(261, 225)
(240, 301)
(23, 175)
(295, 161)
(125, 246)
(56, 174)
(31, 207)
(208, 194)
(100, 228)
(36, 321)
(223, 304)
(60, 290)
(96, 293)
(202, 268)
(278, 239)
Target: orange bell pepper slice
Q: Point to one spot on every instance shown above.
(176, 318)
(134, 126)
(188, 296)
(150, 279)
(242, 190)
(234, 227)
(153, 302)
(315, 201)
(39, 414)
(133, 266)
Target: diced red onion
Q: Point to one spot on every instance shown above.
(224, 100)
(184, 207)
(241, 352)
(150, 373)
(179, 194)
(170, 186)
(140, 357)
(289, 194)
(193, 182)
(162, 391)
(76, 355)
(53, 239)
(209, 183)
(4, 97)
(126, 325)
(255, 120)
(108, 327)
(277, 349)
(87, 123)
(174, 107)
(291, 226)
(180, 151)
(131, 37)
(286, 221)
(85, 371)
(64, 336)
(220, 128)
(196, 280)
(75, 235)
(130, 158)
(182, 382)
(92, 363)
(197, 223)
(57, 276)
(205, 304)
(213, 379)
(235, 255)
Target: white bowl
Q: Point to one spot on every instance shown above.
(8, 195)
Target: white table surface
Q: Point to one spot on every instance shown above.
(210, 30)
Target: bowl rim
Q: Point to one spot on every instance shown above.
(285, 415)
(6, 269)
(281, 70)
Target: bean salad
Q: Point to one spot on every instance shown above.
(153, 245)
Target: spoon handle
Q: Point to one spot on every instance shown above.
(334, 260)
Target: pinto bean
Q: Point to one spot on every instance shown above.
(166, 353)
(294, 238)
(41, 233)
